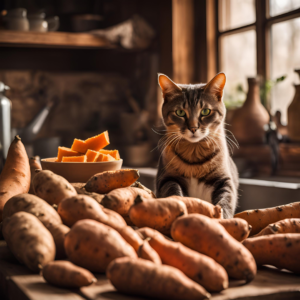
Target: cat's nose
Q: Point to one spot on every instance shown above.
(193, 129)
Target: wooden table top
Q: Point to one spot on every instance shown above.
(19, 283)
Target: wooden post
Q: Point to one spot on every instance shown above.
(183, 41)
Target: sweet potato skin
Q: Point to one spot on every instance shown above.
(283, 226)
(34, 163)
(59, 232)
(200, 268)
(34, 205)
(120, 200)
(15, 176)
(93, 245)
(197, 206)
(81, 207)
(51, 187)
(107, 181)
(260, 218)
(279, 250)
(158, 214)
(65, 274)
(131, 237)
(147, 252)
(138, 185)
(29, 240)
(79, 187)
(206, 236)
(144, 278)
(236, 227)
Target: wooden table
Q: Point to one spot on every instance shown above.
(18, 283)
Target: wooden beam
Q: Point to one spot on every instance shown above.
(183, 43)
(212, 42)
(52, 39)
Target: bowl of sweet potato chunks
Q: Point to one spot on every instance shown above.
(84, 159)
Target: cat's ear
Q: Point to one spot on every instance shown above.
(167, 86)
(216, 86)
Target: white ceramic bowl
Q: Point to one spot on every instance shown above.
(79, 171)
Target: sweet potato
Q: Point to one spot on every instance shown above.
(206, 236)
(79, 187)
(29, 240)
(51, 187)
(59, 232)
(34, 163)
(93, 245)
(156, 213)
(67, 275)
(81, 207)
(146, 232)
(260, 218)
(236, 227)
(120, 200)
(147, 252)
(279, 250)
(137, 184)
(144, 278)
(33, 205)
(201, 268)
(107, 181)
(15, 176)
(283, 226)
(197, 206)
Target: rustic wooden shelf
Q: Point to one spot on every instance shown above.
(52, 39)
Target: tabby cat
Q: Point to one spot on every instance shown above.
(195, 159)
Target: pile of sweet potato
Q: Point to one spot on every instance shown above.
(178, 247)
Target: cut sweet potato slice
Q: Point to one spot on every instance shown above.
(64, 151)
(114, 153)
(79, 146)
(98, 142)
(104, 157)
(91, 155)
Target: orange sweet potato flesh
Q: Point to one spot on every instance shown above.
(81, 158)
(201, 268)
(141, 277)
(114, 153)
(79, 146)
(63, 151)
(107, 181)
(91, 155)
(236, 227)
(197, 206)
(283, 226)
(158, 214)
(260, 218)
(104, 157)
(98, 142)
(15, 176)
(147, 252)
(206, 236)
(279, 250)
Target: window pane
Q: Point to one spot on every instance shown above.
(278, 7)
(238, 61)
(236, 13)
(285, 58)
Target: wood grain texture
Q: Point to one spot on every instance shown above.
(51, 39)
(183, 41)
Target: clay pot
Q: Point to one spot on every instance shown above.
(248, 121)
(293, 115)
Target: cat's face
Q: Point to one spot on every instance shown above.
(196, 111)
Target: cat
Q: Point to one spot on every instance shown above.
(195, 161)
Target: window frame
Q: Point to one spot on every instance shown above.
(262, 27)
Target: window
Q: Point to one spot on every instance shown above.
(259, 37)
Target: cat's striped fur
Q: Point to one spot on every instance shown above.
(195, 160)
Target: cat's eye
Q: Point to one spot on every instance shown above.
(205, 112)
(180, 113)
